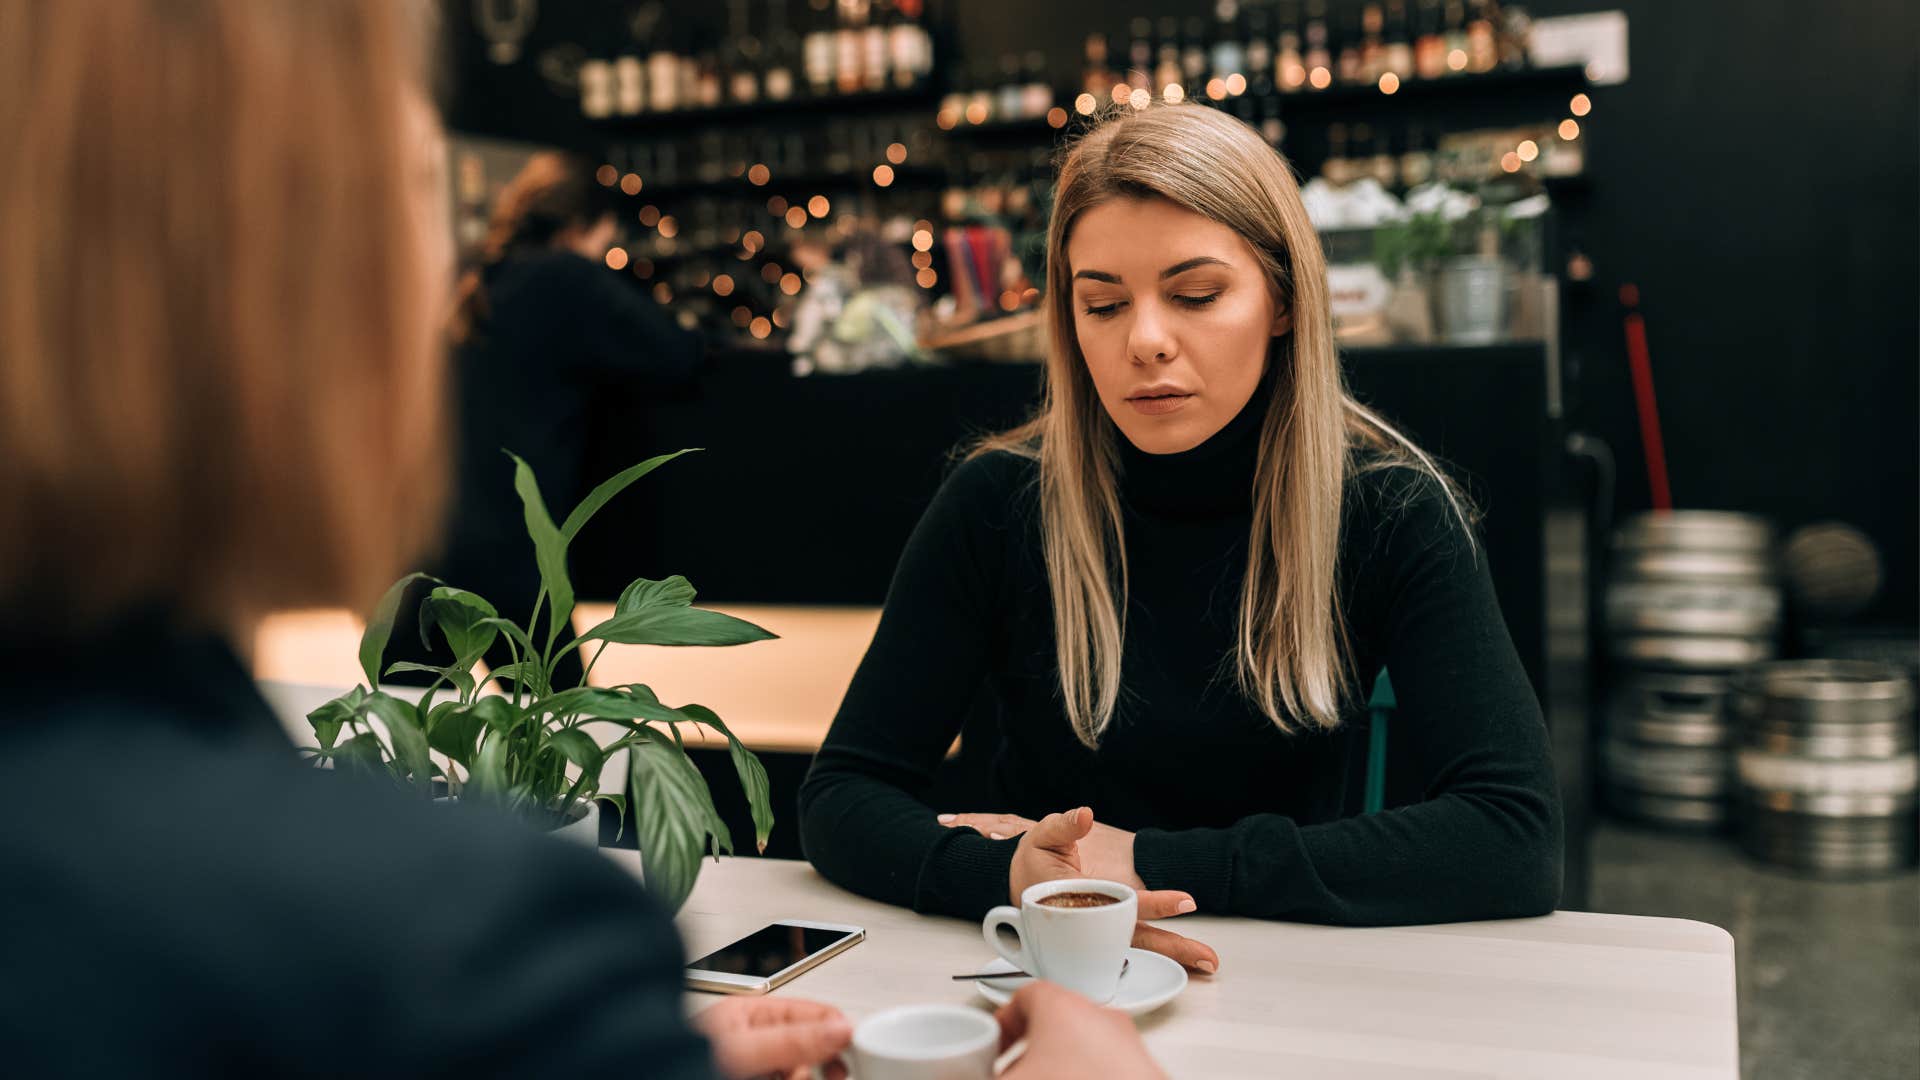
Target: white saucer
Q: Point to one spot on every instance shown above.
(1151, 980)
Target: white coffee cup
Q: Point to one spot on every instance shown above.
(1081, 948)
(926, 1042)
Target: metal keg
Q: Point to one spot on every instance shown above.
(1826, 765)
(1693, 598)
(1693, 590)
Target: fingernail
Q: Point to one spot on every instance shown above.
(1184, 907)
(840, 1028)
(945, 819)
(1206, 966)
(995, 836)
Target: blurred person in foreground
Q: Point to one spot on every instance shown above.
(249, 430)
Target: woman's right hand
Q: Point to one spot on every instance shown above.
(1067, 1035)
(1050, 850)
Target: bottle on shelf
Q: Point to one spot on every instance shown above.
(1336, 167)
(1272, 127)
(909, 44)
(875, 56)
(783, 54)
(849, 47)
(629, 84)
(980, 102)
(1036, 91)
(742, 56)
(1140, 56)
(1318, 38)
(686, 71)
(1373, 42)
(1430, 41)
(820, 48)
(596, 89)
(708, 89)
(1351, 65)
(1166, 69)
(1289, 54)
(1454, 20)
(1483, 53)
(1399, 42)
(663, 71)
(1259, 52)
(1009, 94)
(1416, 163)
(1383, 164)
(1228, 55)
(1194, 52)
(1096, 74)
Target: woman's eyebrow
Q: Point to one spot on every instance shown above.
(1176, 268)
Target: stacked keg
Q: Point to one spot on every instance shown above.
(1693, 598)
(1826, 765)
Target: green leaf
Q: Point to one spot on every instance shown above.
(373, 643)
(528, 672)
(489, 773)
(673, 817)
(603, 494)
(497, 713)
(461, 678)
(610, 704)
(455, 731)
(409, 739)
(328, 719)
(753, 775)
(549, 548)
(620, 807)
(676, 626)
(579, 748)
(676, 591)
(462, 617)
(363, 753)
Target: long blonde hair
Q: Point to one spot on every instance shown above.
(221, 388)
(1292, 656)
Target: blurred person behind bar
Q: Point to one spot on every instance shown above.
(258, 428)
(541, 327)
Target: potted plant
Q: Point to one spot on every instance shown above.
(529, 749)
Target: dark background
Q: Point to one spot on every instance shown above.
(1757, 177)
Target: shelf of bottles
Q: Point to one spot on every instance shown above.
(815, 139)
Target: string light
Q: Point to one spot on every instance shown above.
(1528, 150)
(1121, 92)
(926, 279)
(796, 217)
(723, 285)
(922, 260)
(662, 293)
(1173, 92)
(630, 183)
(818, 206)
(1217, 89)
(754, 240)
(1056, 117)
(1236, 84)
(780, 318)
(1510, 161)
(897, 153)
(770, 273)
(742, 315)
(1389, 83)
(607, 175)
(977, 113)
(1320, 78)
(923, 239)
(760, 328)
(649, 216)
(669, 228)
(1086, 103)
(777, 205)
(759, 175)
(883, 175)
(616, 258)
(1581, 105)
(790, 284)
(1569, 130)
(1139, 99)
(1457, 60)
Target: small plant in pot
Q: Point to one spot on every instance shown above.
(530, 749)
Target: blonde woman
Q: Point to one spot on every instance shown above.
(1179, 581)
(257, 427)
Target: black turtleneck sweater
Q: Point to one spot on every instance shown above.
(1247, 819)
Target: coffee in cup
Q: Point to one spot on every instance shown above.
(1073, 932)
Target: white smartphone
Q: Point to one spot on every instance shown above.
(770, 956)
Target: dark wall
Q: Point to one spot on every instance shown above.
(1758, 177)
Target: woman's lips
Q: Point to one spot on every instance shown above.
(1159, 405)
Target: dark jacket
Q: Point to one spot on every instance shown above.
(179, 895)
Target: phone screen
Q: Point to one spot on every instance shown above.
(768, 950)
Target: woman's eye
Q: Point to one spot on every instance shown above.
(1198, 301)
(1105, 311)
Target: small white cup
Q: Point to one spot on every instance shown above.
(1079, 948)
(926, 1042)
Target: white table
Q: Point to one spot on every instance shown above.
(1568, 996)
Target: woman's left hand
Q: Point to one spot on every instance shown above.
(1106, 852)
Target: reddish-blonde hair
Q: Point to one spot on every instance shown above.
(221, 390)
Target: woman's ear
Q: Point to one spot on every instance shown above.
(1283, 322)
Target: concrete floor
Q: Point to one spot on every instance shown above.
(1829, 972)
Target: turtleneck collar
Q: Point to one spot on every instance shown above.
(1211, 479)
